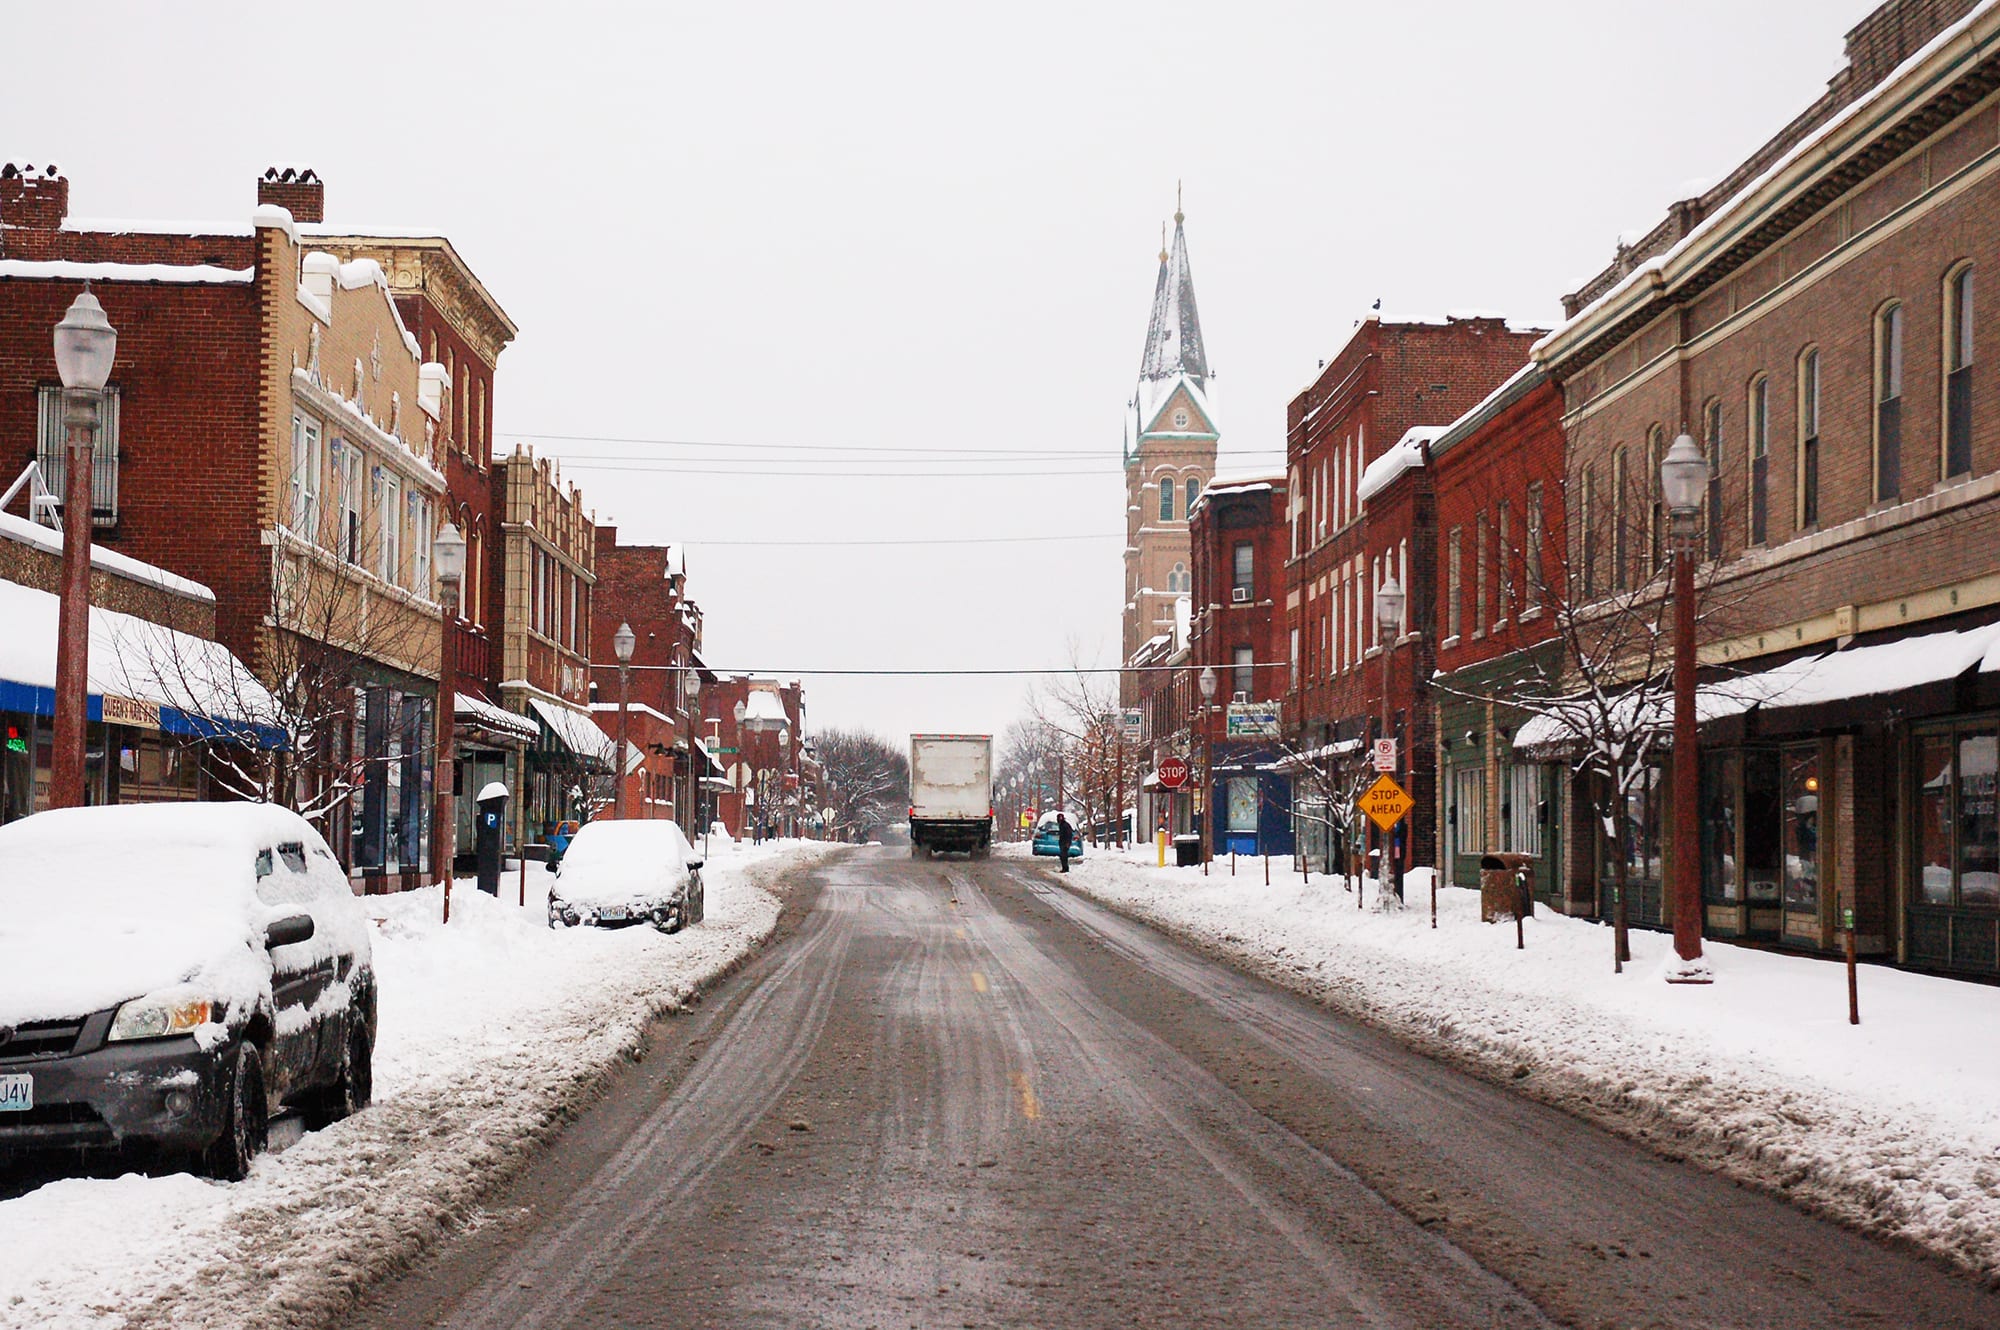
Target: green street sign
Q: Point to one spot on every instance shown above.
(1847, 920)
(724, 750)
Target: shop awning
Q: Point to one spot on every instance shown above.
(708, 758)
(141, 673)
(477, 712)
(576, 731)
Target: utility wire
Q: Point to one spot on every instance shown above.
(942, 540)
(945, 674)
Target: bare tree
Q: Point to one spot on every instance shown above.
(1327, 784)
(867, 779)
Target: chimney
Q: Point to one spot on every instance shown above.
(296, 189)
(33, 198)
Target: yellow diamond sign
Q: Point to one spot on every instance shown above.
(1385, 802)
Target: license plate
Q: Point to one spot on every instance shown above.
(17, 1092)
(612, 912)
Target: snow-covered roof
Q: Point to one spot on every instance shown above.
(25, 532)
(200, 681)
(575, 730)
(1818, 151)
(140, 226)
(191, 273)
(1517, 384)
(1174, 344)
(1406, 454)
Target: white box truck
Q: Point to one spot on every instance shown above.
(951, 794)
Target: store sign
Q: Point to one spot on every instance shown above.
(1253, 720)
(128, 711)
(1131, 725)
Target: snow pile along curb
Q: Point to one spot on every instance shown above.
(494, 1031)
(1892, 1126)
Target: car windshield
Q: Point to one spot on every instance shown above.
(626, 850)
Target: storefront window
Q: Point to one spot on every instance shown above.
(1761, 827)
(1934, 819)
(1521, 809)
(1802, 829)
(1642, 812)
(1978, 833)
(1719, 778)
(1242, 807)
(1468, 810)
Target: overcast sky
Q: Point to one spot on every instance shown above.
(928, 229)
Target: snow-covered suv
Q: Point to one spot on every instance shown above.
(170, 974)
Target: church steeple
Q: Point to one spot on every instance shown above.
(1173, 338)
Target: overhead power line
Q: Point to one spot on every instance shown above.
(941, 540)
(942, 674)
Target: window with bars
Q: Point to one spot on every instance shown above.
(1958, 373)
(1889, 403)
(53, 456)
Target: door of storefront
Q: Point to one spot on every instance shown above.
(1761, 869)
(1954, 898)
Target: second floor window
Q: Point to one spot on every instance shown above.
(1166, 498)
(1243, 571)
(1760, 457)
(1481, 555)
(389, 515)
(1808, 477)
(52, 453)
(1454, 578)
(1193, 491)
(1621, 519)
(1656, 513)
(1711, 430)
(1533, 568)
(1243, 685)
(1889, 403)
(347, 475)
(1958, 373)
(1505, 568)
(308, 463)
(1587, 511)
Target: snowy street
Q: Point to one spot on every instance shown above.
(494, 1030)
(954, 1093)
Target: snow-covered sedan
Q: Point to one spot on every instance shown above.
(628, 871)
(171, 974)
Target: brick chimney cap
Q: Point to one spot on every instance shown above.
(291, 174)
(12, 169)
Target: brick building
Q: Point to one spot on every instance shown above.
(646, 586)
(1169, 454)
(461, 329)
(1237, 537)
(548, 550)
(1387, 392)
(1815, 322)
(756, 728)
(281, 386)
(1497, 476)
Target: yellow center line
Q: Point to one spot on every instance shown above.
(1030, 1108)
(978, 982)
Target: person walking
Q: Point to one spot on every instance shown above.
(1065, 836)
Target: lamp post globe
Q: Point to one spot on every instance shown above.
(623, 643)
(86, 344)
(1683, 476)
(1389, 602)
(448, 554)
(448, 565)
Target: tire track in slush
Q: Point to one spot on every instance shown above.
(708, 1116)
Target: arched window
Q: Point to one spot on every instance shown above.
(1889, 402)
(1621, 512)
(1166, 498)
(1958, 371)
(1711, 433)
(1179, 580)
(1807, 480)
(1760, 456)
(1193, 487)
(1656, 514)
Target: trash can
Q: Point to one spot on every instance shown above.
(1187, 849)
(1506, 886)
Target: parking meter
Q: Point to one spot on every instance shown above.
(489, 834)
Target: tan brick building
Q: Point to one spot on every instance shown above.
(1820, 321)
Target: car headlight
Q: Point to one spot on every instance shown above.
(157, 1017)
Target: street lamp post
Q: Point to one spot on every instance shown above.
(784, 780)
(448, 562)
(1389, 602)
(85, 345)
(1207, 684)
(622, 644)
(1683, 478)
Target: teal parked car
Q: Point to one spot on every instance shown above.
(1049, 844)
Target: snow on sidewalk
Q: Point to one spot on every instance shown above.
(1892, 1125)
(492, 1031)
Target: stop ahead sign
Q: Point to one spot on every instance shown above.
(1173, 772)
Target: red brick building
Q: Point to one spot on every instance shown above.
(1388, 380)
(1238, 541)
(646, 586)
(755, 728)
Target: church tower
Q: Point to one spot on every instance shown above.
(1170, 441)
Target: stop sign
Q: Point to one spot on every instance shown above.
(1173, 772)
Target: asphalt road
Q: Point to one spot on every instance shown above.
(955, 1095)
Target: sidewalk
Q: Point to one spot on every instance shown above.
(494, 1030)
(1892, 1126)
